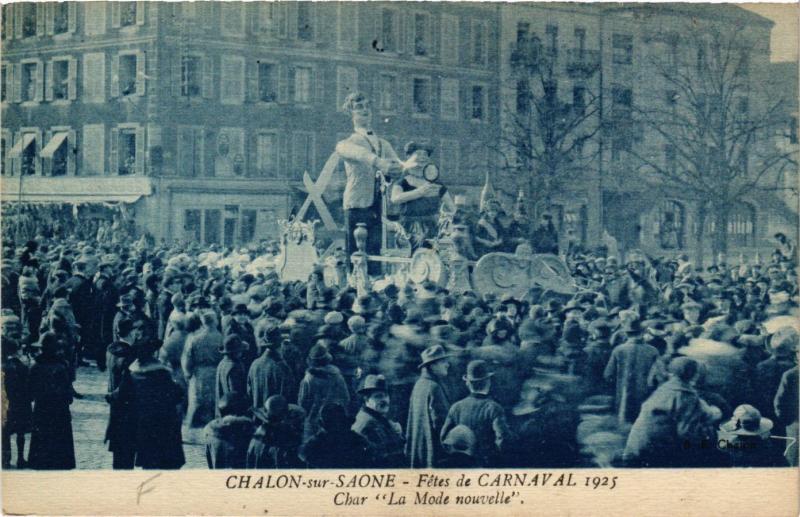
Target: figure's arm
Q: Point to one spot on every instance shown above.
(356, 153)
(399, 196)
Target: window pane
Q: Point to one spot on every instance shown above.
(127, 13)
(60, 17)
(192, 225)
(127, 75)
(387, 30)
(267, 85)
(387, 93)
(421, 96)
(60, 79)
(265, 155)
(29, 83)
(477, 102)
(302, 85)
(421, 45)
(127, 152)
(248, 225)
(305, 28)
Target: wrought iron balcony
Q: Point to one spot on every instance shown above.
(527, 55)
(582, 62)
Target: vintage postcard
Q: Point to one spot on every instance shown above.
(372, 258)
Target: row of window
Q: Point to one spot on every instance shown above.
(621, 44)
(229, 226)
(200, 152)
(33, 80)
(395, 31)
(29, 19)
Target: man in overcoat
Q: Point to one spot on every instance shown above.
(384, 436)
(428, 410)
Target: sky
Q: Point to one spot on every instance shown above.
(785, 31)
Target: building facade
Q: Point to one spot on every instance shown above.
(206, 115)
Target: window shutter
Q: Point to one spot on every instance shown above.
(177, 80)
(283, 155)
(449, 39)
(291, 19)
(10, 69)
(72, 14)
(252, 155)
(113, 164)
(283, 84)
(72, 152)
(251, 82)
(72, 79)
(115, 76)
(18, 23)
(208, 78)
(467, 48)
(433, 34)
(48, 82)
(8, 21)
(348, 25)
(141, 71)
(140, 7)
(408, 18)
(37, 96)
(48, 164)
(95, 17)
(49, 17)
(140, 151)
(17, 90)
(115, 15)
(318, 76)
(94, 77)
(41, 18)
(38, 159)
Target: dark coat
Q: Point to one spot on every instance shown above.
(119, 357)
(458, 460)
(343, 449)
(767, 380)
(106, 297)
(384, 437)
(672, 430)
(227, 439)
(153, 398)
(231, 379)
(81, 299)
(486, 418)
(270, 375)
(52, 447)
(17, 392)
(319, 386)
(426, 415)
(546, 437)
(274, 445)
(629, 368)
(751, 451)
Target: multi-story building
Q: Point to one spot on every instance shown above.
(622, 43)
(205, 115)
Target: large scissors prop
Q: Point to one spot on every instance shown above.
(315, 191)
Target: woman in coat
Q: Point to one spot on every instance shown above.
(201, 355)
(52, 447)
(153, 397)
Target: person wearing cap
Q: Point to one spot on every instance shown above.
(17, 418)
(52, 446)
(322, 383)
(364, 155)
(384, 436)
(231, 374)
(227, 437)
(675, 427)
(783, 347)
(417, 199)
(428, 409)
(276, 442)
(347, 353)
(480, 413)
(120, 355)
(199, 361)
(458, 449)
(336, 445)
(269, 374)
(745, 440)
(628, 369)
(152, 398)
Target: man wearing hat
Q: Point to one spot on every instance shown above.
(336, 445)
(348, 352)
(783, 346)
(383, 435)
(239, 325)
(81, 299)
(674, 424)
(364, 155)
(227, 437)
(276, 441)
(201, 355)
(428, 409)
(231, 374)
(628, 368)
(322, 383)
(480, 413)
(269, 374)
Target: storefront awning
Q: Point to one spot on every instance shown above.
(76, 189)
(53, 145)
(21, 145)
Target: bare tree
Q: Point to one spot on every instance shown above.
(717, 135)
(542, 140)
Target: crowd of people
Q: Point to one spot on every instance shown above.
(653, 363)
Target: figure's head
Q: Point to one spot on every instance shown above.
(359, 108)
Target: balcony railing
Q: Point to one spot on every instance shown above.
(528, 55)
(582, 62)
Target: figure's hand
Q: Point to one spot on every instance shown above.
(430, 190)
(388, 166)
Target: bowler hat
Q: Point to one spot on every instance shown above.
(477, 370)
(432, 354)
(373, 383)
(319, 355)
(275, 409)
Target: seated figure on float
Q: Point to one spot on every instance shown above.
(418, 197)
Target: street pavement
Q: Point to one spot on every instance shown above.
(89, 419)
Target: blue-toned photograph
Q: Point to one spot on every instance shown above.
(364, 235)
